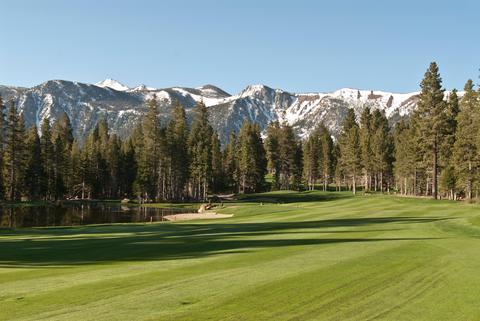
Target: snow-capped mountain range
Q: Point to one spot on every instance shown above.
(123, 107)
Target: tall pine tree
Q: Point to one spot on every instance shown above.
(34, 164)
(350, 153)
(465, 153)
(14, 157)
(2, 145)
(200, 150)
(252, 160)
(431, 121)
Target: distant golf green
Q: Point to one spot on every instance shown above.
(283, 256)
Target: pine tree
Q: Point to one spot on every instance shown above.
(310, 160)
(382, 143)
(405, 157)
(448, 179)
(200, 150)
(178, 137)
(465, 153)
(339, 172)
(366, 146)
(102, 147)
(14, 157)
(94, 166)
(297, 167)
(453, 108)
(231, 166)
(318, 157)
(77, 170)
(272, 147)
(129, 167)
(62, 140)
(2, 145)
(430, 120)
(350, 153)
(59, 166)
(148, 154)
(88, 161)
(46, 146)
(252, 159)
(217, 172)
(22, 159)
(287, 155)
(141, 177)
(91, 164)
(113, 159)
(62, 127)
(164, 165)
(452, 114)
(326, 158)
(34, 165)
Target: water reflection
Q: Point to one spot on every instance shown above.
(82, 214)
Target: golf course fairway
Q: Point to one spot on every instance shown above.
(282, 256)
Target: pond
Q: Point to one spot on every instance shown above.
(71, 214)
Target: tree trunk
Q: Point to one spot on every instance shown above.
(434, 171)
(354, 185)
(12, 177)
(83, 190)
(381, 182)
(365, 188)
(205, 188)
(427, 187)
(415, 181)
(469, 187)
(243, 184)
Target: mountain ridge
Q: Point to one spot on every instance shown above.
(123, 106)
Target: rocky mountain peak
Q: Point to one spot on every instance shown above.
(113, 84)
(123, 107)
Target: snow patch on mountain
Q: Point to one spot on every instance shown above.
(197, 97)
(124, 107)
(113, 84)
(142, 88)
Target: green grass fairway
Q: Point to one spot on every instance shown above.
(299, 256)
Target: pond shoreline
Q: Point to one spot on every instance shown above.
(85, 213)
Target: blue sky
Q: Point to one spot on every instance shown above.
(294, 45)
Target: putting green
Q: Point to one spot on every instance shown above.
(283, 256)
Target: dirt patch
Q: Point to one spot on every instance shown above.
(196, 216)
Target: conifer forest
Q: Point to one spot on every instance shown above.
(434, 152)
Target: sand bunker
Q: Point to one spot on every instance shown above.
(195, 216)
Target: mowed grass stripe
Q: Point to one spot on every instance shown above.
(156, 277)
(322, 291)
(238, 279)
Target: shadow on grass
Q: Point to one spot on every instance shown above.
(293, 197)
(117, 243)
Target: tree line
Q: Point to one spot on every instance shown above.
(158, 162)
(438, 148)
(433, 152)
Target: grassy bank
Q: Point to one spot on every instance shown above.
(8, 204)
(301, 256)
